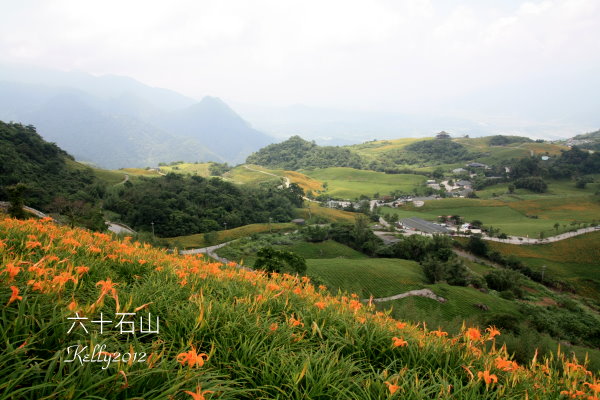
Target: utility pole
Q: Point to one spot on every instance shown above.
(270, 220)
(543, 270)
(152, 223)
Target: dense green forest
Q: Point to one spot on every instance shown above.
(573, 163)
(48, 173)
(180, 205)
(297, 153)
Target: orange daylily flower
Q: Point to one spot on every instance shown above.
(573, 394)
(295, 322)
(94, 249)
(106, 287)
(355, 305)
(399, 342)
(15, 295)
(32, 244)
(487, 377)
(473, 334)
(81, 270)
(320, 305)
(199, 395)
(191, 358)
(63, 278)
(493, 332)
(401, 325)
(439, 333)
(273, 327)
(593, 386)
(392, 388)
(12, 271)
(72, 305)
(506, 365)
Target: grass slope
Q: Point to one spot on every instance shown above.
(225, 333)
(576, 260)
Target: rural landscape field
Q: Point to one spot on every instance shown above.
(341, 200)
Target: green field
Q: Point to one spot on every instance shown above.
(366, 277)
(327, 249)
(350, 183)
(243, 175)
(513, 215)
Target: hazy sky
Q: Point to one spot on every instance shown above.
(394, 55)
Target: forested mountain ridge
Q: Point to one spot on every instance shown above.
(45, 169)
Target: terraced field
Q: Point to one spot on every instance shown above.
(350, 183)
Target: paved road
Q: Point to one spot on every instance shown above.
(518, 240)
(550, 239)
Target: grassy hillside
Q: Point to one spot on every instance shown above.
(482, 150)
(200, 169)
(350, 183)
(226, 333)
(319, 213)
(200, 239)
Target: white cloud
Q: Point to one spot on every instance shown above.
(361, 53)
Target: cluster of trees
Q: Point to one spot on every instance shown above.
(358, 236)
(432, 151)
(297, 153)
(218, 169)
(39, 174)
(573, 163)
(435, 256)
(533, 183)
(178, 205)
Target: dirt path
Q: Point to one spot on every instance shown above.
(286, 180)
(419, 292)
